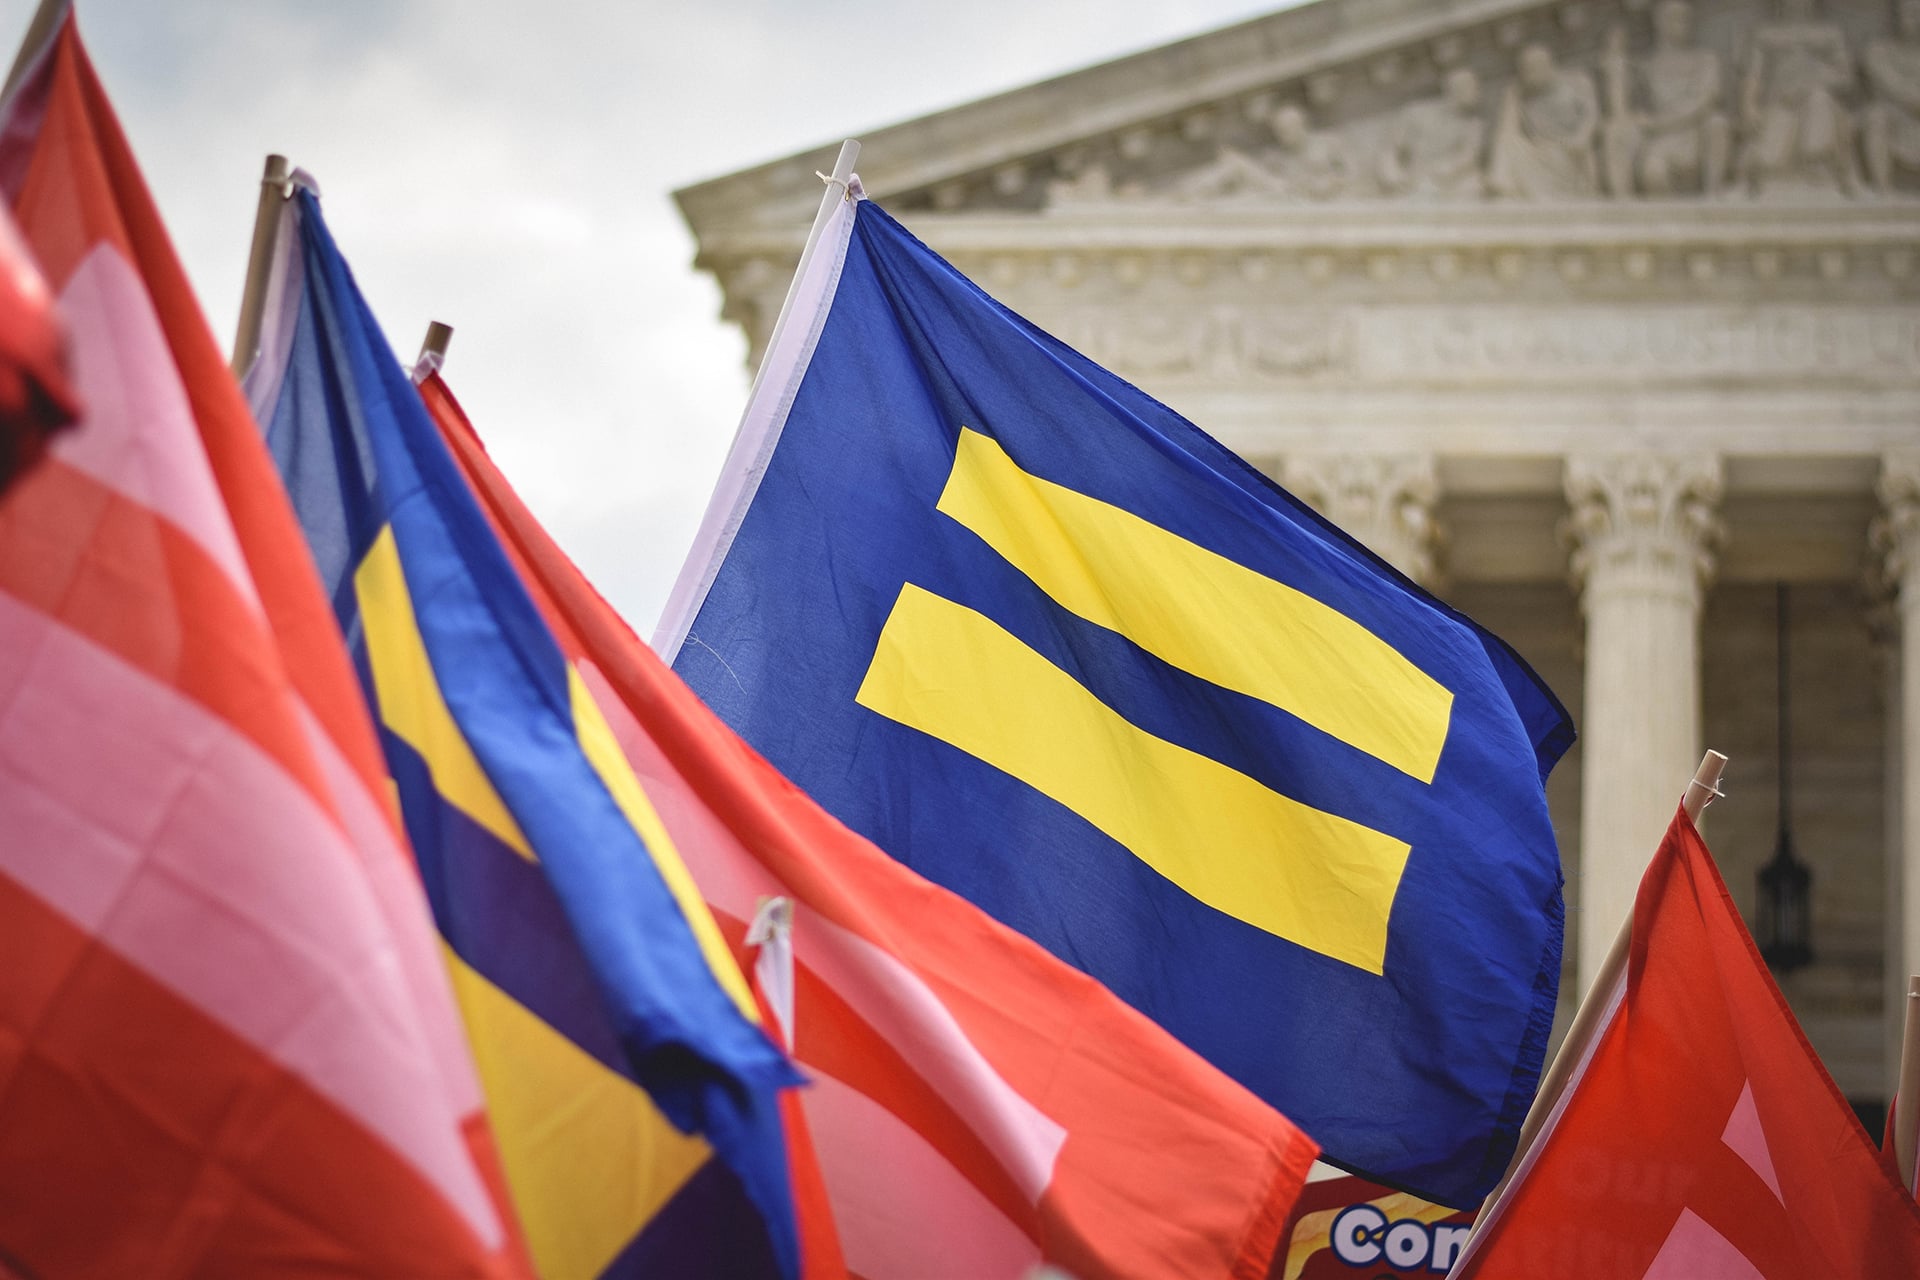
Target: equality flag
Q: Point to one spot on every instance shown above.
(633, 1093)
(1699, 1138)
(978, 1106)
(1053, 648)
(36, 398)
(227, 1045)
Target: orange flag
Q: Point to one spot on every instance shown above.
(977, 1106)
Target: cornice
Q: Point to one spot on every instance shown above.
(1762, 224)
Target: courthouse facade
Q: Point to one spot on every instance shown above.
(1600, 318)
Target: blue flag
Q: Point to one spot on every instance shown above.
(1047, 643)
(631, 1092)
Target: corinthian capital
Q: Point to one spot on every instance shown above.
(1385, 500)
(1643, 521)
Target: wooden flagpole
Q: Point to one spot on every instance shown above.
(39, 30)
(274, 189)
(1587, 1019)
(836, 192)
(433, 350)
(1906, 1133)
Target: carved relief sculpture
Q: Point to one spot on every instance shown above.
(1665, 126)
(1543, 143)
(1233, 174)
(1091, 184)
(1681, 117)
(1796, 129)
(1292, 344)
(1147, 345)
(1308, 164)
(1435, 147)
(1891, 122)
(1311, 162)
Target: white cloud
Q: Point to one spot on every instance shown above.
(507, 168)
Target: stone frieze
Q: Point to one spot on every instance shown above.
(1726, 99)
(1380, 345)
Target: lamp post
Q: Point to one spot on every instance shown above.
(1784, 927)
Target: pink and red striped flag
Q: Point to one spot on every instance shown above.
(227, 1043)
(977, 1106)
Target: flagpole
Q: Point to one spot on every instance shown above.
(1587, 1018)
(39, 31)
(253, 297)
(1906, 1114)
(433, 350)
(837, 185)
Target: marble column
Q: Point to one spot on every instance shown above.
(1897, 534)
(1385, 500)
(1642, 528)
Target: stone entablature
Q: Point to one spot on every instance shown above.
(1771, 292)
(1564, 347)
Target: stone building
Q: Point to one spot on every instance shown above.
(1601, 318)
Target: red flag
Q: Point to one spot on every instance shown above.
(978, 1107)
(1701, 1139)
(35, 398)
(227, 1044)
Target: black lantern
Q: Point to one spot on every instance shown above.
(1784, 928)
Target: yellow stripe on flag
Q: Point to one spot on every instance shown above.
(409, 696)
(1200, 611)
(588, 1158)
(603, 753)
(1317, 879)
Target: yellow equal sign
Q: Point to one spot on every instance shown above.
(1320, 880)
(1308, 876)
(1201, 612)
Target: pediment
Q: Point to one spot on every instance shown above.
(1012, 144)
(1350, 102)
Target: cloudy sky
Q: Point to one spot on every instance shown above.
(506, 167)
